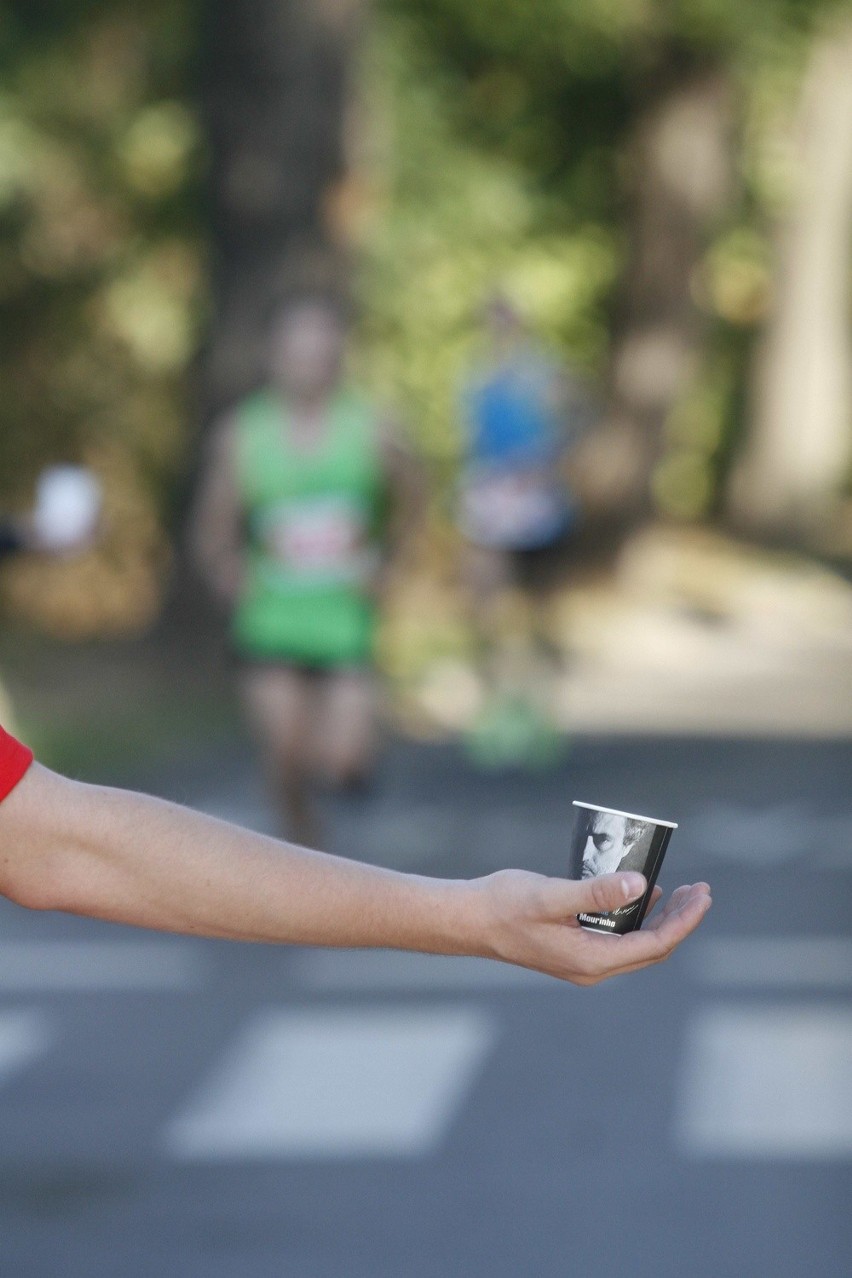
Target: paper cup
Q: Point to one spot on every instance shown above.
(604, 840)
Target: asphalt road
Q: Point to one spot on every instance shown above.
(206, 1110)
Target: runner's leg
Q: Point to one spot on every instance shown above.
(281, 706)
(346, 727)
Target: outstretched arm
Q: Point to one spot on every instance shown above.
(134, 859)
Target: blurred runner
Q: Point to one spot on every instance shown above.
(521, 414)
(303, 494)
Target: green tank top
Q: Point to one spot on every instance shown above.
(311, 524)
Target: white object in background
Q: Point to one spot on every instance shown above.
(68, 506)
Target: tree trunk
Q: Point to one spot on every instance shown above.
(678, 179)
(798, 450)
(276, 96)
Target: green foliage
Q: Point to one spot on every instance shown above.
(99, 231)
(100, 284)
(449, 222)
(506, 164)
(496, 135)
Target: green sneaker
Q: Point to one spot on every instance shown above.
(512, 731)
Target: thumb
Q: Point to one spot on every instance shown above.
(608, 892)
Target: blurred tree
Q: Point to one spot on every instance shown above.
(630, 117)
(677, 185)
(277, 95)
(100, 282)
(610, 163)
(797, 455)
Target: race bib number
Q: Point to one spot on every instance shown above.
(514, 510)
(323, 538)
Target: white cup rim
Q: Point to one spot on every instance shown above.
(633, 816)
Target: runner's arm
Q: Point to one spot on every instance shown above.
(214, 540)
(133, 859)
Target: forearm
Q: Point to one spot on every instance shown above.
(134, 859)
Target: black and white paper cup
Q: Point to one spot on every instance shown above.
(604, 840)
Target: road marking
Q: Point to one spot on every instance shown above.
(24, 1035)
(380, 970)
(336, 1084)
(800, 962)
(767, 1082)
(62, 966)
(763, 837)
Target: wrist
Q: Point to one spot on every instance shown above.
(454, 917)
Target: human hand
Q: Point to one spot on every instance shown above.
(531, 920)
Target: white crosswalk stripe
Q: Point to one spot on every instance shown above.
(767, 1082)
(765, 837)
(790, 962)
(24, 1036)
(758, 1080)
(336, 1084)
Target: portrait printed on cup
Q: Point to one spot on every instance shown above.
(604, 840)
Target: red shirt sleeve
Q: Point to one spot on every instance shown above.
(14, 761)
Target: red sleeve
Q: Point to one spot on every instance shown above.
(14, 761)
